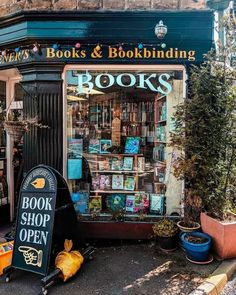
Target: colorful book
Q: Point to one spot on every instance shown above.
(74, 168)
(129, 184)
(117, 182)
(129, 205)
(157, 203)
(105, 144)
(141, 164)
(75, 148)
(104, 165)
(95, 204)
(141, 203)
(128, 163)
(132, 145)
(94, 146)
(105, 182)
(116, 164)
(96, 183)
(81, 205)
(116, 202)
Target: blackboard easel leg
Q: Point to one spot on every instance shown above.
(8, 271)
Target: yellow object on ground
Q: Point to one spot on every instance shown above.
(69, 262)
(5, 255)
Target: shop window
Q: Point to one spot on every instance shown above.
(118, 124)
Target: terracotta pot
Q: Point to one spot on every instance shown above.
(223, 235)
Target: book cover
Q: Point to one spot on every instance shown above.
(75, 148)
(74, 168)
(129, 205)
(116, 202)
(105, 182)
(94, 146)
(128, 163)
(129, 184)
(141, 203)
(116, 164)
(95, 204)
(157, 203)
(104, 164)
(81, 205)
(96, 183)
(132, 145)
(141, 164)
(117, 182)
(105, 144)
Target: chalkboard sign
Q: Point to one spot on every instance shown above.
(35, 221)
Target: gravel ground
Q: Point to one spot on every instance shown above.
(135, 269)
(230, 288)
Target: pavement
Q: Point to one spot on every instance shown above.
(122, 268)
(230, 287)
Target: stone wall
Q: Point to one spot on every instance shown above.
(11, 6)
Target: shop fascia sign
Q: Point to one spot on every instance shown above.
(141, 80)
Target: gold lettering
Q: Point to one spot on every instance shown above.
(82, 53)
(112, 52)
(67, 54)
(26, 54)
(59, 54)
(75, 53)
(11, 57)
(191, 55)
(146, 53)
(160, 54)
(169, 53)
(182, 54)
(50, 53)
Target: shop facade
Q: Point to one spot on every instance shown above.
(106, 85)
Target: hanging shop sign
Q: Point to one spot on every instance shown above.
(35, 221)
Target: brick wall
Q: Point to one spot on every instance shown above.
(11, 6)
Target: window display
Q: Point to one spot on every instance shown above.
(122, 130)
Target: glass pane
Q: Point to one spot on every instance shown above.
(118, 125)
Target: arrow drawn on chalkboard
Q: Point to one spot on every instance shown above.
(38, 183)
(31, 255)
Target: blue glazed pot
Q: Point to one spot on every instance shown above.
(197, 252)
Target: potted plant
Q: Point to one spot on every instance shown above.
(166, 232)
(197, 246)
(205, 134)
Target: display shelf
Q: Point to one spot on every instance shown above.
(117, 192)
(161, 121)
(122, 171)
(111, 155)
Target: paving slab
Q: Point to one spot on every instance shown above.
(135, 269)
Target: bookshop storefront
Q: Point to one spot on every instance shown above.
(107, 88)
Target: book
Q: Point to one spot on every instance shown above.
(104, 164)
(116, 202)
(117, 182)
(81, 203)
(95, 204)
(75, 148)
(157, 203)
(132, 145)
(96, 183)
(105, 182)
(141, 202)
(94, 146)
(141, 164)
(128, 163)
(129, 204)
(161, 133)
(105, 144)
(129, 184)
(116, 164)
(74, 168)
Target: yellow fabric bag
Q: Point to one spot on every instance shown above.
(69, 262)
